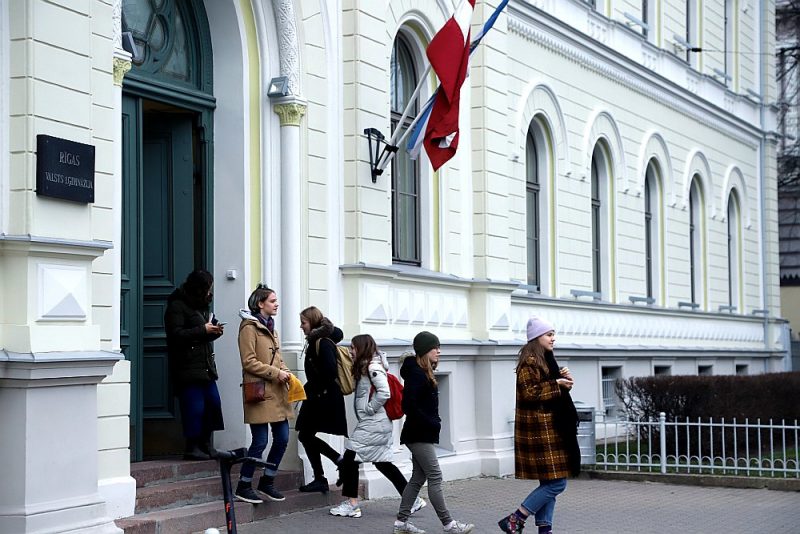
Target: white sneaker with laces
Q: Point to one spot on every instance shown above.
(406, 528)
(419, 504)
(456, 527)
(346, 510)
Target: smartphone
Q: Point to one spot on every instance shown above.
(221, 323)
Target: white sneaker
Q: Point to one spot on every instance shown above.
(419, 504)
(346, 510)
(459, 528)
(406, 528)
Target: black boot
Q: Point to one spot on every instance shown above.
(245, 492)
(318, 484)
(265, 486)
(193, 451)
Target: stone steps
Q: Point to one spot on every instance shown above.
(174, 496)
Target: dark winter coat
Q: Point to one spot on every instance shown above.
(191, 354)
(420, 404)
(323, 409)
(260, 352)
(545, 425)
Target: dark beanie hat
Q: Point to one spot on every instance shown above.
(425, 341)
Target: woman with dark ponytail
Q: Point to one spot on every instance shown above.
(260, 352)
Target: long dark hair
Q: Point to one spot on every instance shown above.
(533, 353)
(259, 295)
(365, 348)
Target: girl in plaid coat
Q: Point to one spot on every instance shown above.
(545, 429)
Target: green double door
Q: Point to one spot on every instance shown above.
(162, 241)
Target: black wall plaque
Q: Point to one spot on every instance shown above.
(64, 169)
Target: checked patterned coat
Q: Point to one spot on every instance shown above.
(545, 428)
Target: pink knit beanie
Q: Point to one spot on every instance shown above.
(537, 327)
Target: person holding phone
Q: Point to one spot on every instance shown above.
(191, 329)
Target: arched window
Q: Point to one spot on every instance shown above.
(405, 171)
(166, 36)
(734, 251)
(601, 243)
(696, 232)
(651, 227)
(532, 188)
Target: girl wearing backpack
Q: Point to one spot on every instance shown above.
(371, 440)
(323, 409)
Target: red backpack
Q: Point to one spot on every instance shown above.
(393, 406)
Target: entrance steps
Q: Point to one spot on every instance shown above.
(179, 497)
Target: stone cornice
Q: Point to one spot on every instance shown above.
(53, 245)
(545, 32)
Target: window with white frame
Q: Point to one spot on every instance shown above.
(742, 369)
(662, 370)
(734, 252)
(705, 370)
(691, 35)
(730, 42)
(405, 171)
(696, 232)
(649, 17)
(652, 220)
(610, 375)
(599, 220)
(533, 162)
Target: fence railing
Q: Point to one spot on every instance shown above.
(706, 446)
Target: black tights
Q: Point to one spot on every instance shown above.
(349, 474)
(314, 447)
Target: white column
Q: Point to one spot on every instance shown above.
(290, 112)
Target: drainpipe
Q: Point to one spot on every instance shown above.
(762, 144)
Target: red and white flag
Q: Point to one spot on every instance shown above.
(448, 53)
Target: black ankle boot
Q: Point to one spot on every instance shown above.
(266, 486)
(194, 452)
(244, 492)
(318, 484)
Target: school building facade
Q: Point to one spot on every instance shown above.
(616, 174)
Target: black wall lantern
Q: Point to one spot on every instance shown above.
(374, 140)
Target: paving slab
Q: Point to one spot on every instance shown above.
(587, 506)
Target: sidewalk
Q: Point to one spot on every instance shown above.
(590, 506)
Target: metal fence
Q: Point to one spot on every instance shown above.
(702, 446)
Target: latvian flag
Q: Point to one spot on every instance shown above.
(448, 53)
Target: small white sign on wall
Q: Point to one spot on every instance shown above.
(62, 293)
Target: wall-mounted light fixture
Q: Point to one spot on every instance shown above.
(374, 140)
(278, 87)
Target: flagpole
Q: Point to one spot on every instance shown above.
(386, 155)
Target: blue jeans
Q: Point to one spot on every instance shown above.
(280, 438)
(542, 501)
(201, 409)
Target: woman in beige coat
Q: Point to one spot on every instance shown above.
(260, 352)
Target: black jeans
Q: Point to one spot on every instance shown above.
(349, 472)
(314, 447)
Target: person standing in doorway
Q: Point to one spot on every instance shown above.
(191, 328)
(421, 433)
(371, 439)
(323, 409)
(545, 429)
(260, 352)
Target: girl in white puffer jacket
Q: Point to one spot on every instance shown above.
(371, 440)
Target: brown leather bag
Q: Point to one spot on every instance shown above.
(253, 392)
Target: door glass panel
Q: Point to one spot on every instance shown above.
(178, 63)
